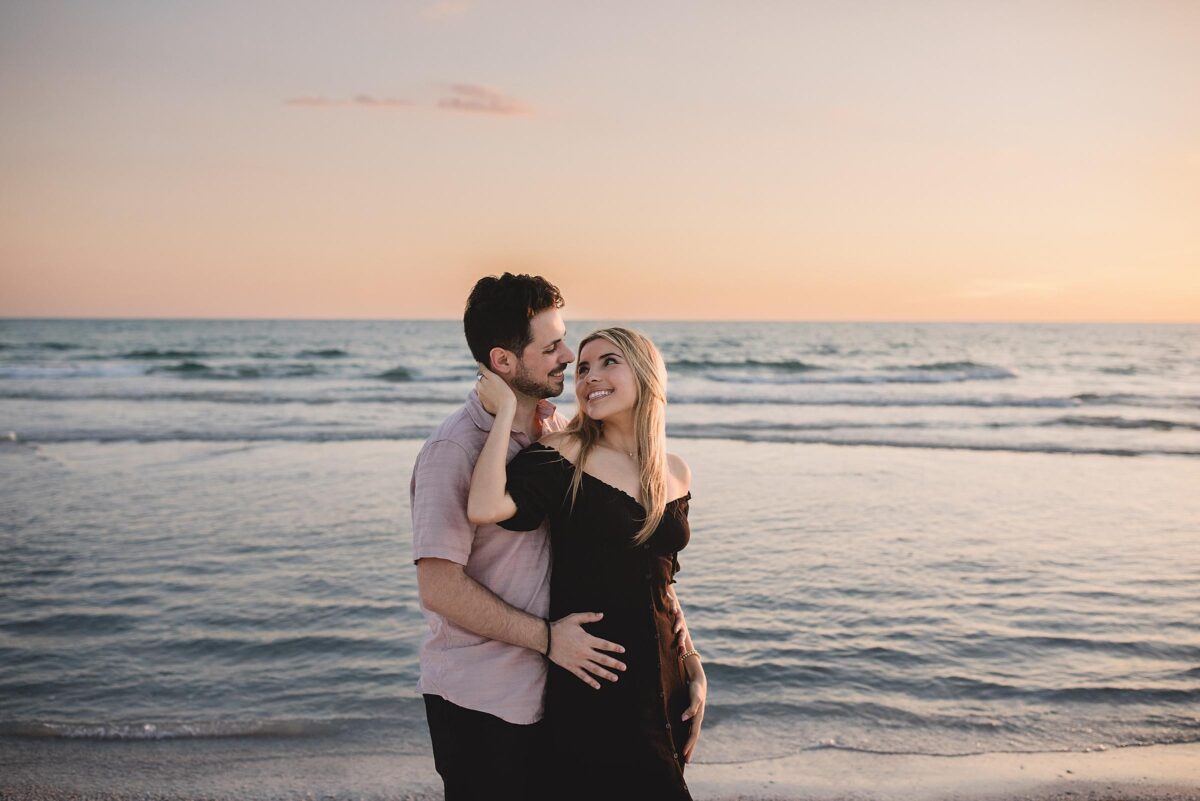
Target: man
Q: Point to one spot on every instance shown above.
(485, 591)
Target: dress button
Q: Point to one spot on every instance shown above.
(668, 727)
(675, 755)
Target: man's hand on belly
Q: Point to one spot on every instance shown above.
(573, 649)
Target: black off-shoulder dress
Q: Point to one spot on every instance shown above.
(626, 739)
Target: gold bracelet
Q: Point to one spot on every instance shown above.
(692, 652)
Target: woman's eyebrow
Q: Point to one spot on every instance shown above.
(605, 356)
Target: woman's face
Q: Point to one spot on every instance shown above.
(604, 382)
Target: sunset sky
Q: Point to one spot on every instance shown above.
(854, 160)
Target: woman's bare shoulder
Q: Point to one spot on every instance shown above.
(679, 471)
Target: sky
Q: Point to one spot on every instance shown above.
(788, 160)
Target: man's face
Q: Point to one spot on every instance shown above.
(540, 367)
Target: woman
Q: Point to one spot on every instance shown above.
(617, 504)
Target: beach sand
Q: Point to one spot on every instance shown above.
(265, 770)
(1161, 771)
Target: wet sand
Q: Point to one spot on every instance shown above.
(253, 770)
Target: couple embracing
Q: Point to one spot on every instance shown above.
(558, 664)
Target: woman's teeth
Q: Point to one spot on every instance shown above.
(598, 394)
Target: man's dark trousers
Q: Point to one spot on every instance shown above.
(479, 756)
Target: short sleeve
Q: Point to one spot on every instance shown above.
(681, 511)
(440, 483)
(537, 483)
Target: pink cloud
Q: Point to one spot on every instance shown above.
(368, 101)
(371, 100)
(466, 97)
(482, 100)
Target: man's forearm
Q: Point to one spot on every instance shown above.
(470, 605)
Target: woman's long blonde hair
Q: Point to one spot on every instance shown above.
(650, 428)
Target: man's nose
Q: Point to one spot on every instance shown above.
(570, 355)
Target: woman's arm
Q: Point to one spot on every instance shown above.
(488, 502)
(697, 693)
(697, 681)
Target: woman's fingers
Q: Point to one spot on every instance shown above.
(693, 737)
(689, 748)
(494, 394)
(694, 713)
(484, 371)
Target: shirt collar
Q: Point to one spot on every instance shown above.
(483, 421)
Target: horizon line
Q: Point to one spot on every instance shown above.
(81, 318)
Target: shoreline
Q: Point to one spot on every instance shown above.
(72, 770)
(1153, 771)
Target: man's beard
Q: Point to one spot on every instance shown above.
(527, 385)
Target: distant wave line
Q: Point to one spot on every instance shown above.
(709, 432)
(299, 728)
(456, 392)
(801, 373)
(190, 367)
(1048, 448)
(167, 730)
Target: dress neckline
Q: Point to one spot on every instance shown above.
(602, 482)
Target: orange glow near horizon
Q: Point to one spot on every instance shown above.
(936, 161)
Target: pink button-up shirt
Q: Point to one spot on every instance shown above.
(464, 668)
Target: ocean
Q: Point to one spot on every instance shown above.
(1111, 389)
(907, 537)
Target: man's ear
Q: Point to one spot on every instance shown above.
(503, 362)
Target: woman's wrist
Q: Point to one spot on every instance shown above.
(507, 411)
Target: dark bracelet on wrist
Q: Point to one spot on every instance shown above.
(547, 639)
